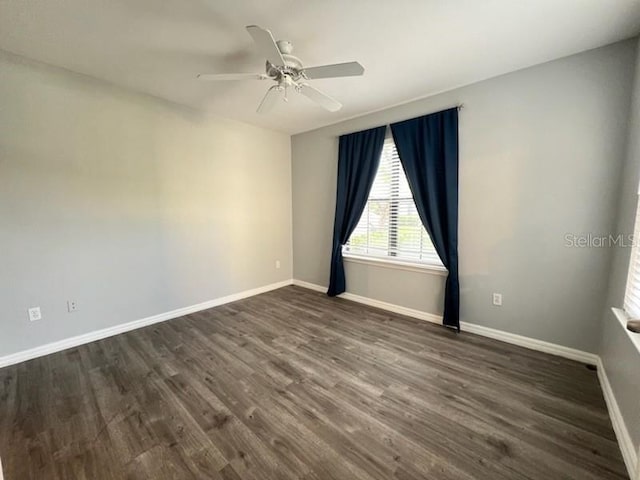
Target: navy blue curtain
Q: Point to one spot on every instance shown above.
(358, 159)
(428, 150)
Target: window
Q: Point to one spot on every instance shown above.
(632, 293)
(390, 227)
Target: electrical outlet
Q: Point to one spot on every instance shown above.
(72, 305)
(35, 314)
(497, 299)
(277, 263)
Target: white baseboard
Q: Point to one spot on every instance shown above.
(622, 434)
(310, 286)
(532, 343)
(410, 312)
(527, 342)
(126, 327)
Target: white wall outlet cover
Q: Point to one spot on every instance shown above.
(277, 263)
(497, 299)
(35, 314)
(72, 305)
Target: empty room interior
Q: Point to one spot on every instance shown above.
(320, 240)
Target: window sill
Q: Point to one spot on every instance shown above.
(396, 264)
(623, 319)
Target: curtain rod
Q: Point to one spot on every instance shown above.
(459, 106)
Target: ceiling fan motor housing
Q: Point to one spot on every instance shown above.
(292, 65)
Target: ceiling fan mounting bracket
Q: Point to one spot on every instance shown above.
(285, 47)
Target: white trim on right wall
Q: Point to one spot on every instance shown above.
(619, 427)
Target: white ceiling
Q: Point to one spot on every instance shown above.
(409, 48)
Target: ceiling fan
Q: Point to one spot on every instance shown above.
(288, 72)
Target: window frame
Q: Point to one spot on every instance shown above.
(632, 295)
(623, 315)
(392, 260)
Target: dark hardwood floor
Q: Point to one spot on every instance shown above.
(292, 384)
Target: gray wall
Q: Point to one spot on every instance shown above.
(540, 156)
(127, 204)
(620, 357)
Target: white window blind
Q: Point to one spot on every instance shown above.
(632, 293)
(390, 227)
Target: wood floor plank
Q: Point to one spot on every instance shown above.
(292, 384)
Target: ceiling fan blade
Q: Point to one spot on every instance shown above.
(349, 69)
(322, 99)
(231, 76)
(267, 45)
(272, 96)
